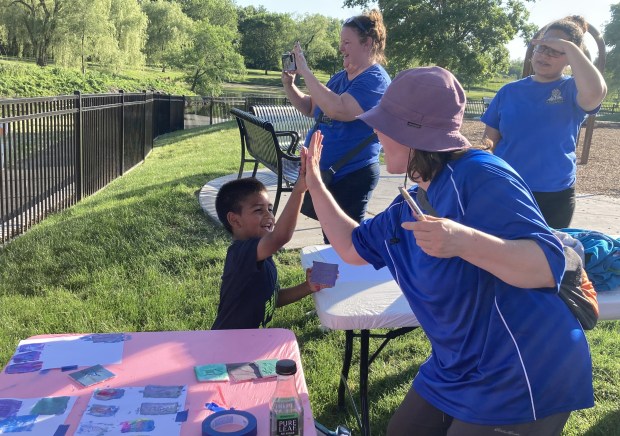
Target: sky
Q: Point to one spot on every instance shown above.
(542, 12)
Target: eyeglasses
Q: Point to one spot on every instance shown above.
(357, 22)
(543, 49)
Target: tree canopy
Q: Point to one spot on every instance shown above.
(168, 34)
(467, 37)
(264, 37)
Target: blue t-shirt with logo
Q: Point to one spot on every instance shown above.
(500, 354)
(249, 290)
(341, 136)
(539, 124)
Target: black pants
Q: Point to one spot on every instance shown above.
(557, 207)
(353, 192)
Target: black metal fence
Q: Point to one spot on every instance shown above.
(201, 111)
(54, 151)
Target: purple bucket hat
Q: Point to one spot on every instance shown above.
(422, 109)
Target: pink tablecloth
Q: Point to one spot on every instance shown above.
(168, 358)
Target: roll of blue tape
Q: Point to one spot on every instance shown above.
(230, 423)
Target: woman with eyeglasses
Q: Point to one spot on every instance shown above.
(349, 93)
(533, 123)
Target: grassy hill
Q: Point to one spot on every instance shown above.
(24, 79)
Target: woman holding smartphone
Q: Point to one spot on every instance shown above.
(481, 273)
(350, 92)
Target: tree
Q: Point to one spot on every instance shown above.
(515, 68)
(14, 35)
(264, 37)
(168, 32)
(41, 19)
(467, 37)
(217, 12)
(612, 39)
(319, 37)
(212, 58)
(130, 24)
(87, 34)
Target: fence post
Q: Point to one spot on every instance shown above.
(122, 143)
(169, 113)
(211, 110)
(79, 150)
(145, 125)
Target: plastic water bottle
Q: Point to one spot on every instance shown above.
(286, 411)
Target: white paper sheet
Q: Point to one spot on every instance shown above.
(64, 351)
(131, 407)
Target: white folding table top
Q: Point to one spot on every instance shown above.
(364, 298)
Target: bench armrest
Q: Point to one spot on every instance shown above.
(294, 140)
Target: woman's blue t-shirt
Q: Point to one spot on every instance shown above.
(539, 124)
(500, 354)
(341, 136)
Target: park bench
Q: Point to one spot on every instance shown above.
(263, 141)
(285, 118)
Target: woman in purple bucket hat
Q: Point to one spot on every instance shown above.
(480, 270)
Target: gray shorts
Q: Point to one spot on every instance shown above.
(415, 416)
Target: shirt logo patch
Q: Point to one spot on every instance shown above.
(556, 97)
(325, 120)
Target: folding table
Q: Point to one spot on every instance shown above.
(168, 358)
(364, 299)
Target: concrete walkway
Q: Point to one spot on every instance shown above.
(593, 212)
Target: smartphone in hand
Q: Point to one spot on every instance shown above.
(417, 212)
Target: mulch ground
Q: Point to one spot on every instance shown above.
(600, 175)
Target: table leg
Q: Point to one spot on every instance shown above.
(346, 364)
(364, 345)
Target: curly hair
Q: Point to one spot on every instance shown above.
(231, 195)
(370, 25)
(574, 26)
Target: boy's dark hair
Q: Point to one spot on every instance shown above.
(231, 194)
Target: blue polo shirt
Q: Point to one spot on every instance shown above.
(341, 136)
(539, 124)
(500, 354)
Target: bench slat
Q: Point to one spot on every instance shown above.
(260, 140)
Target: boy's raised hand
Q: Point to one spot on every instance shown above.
(300, 184)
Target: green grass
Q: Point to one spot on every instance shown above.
(140, 255)
(476, 92)
(256, 81)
